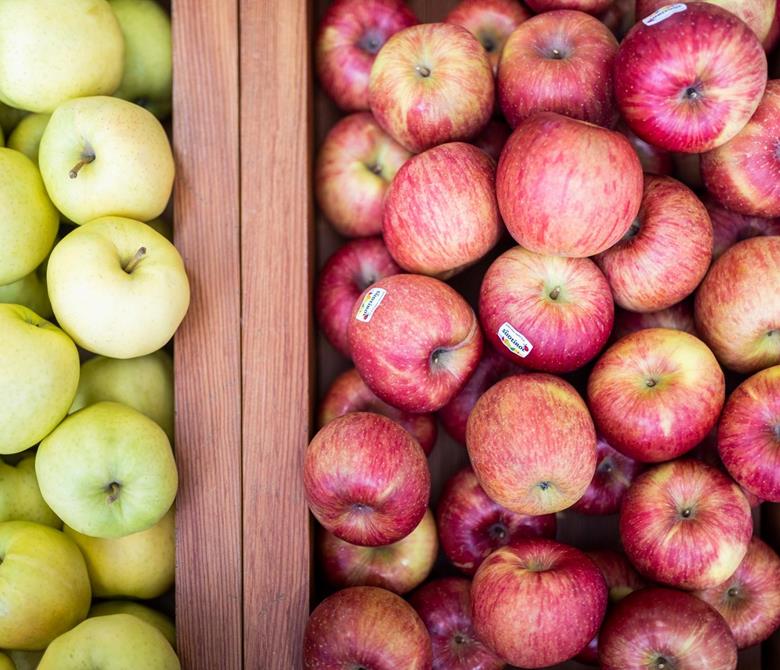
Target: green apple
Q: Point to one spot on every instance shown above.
(118, 287)
(10, 117)
(114, 642)
(157, 619)
(25, 660)
(6, 663)
(104, 156)
(28, 220)
(20, 497)
(107, 471)
(29, 291)
(44, 585)
(26, 137)
(39, 375)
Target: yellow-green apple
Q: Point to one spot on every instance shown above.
(157, 619)
(349, 37)
(355, 165)
(471, 525)
(557, 189)
(619, 17)
(29, 291)
(107, 471)
(665, 253)
(45, 585)
(366, 479)
(749, 600)
(590, 6)
(537, 602)
(39, 374)
(689, 77)
(440, 213)
(728, 227)
(656, 393)
(559, 61)
(27, 135)
(117, 287)
(444, 605)
(431, 84)
(113, 642)
(366, 627)
(744, 173)
(29, 220)
(55, 50)
(103, 156)
(660, 629)
(737, 309)
(676, 317)
(20, 497)
(144, 383)
(532, 444)
(6, 662)
(653, 160)
(545, 312)
(415, 341)
(398, 567)
(492, 138)
(349, 393)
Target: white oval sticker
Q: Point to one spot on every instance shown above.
(371, 301)
(664, 13)
(514, 340)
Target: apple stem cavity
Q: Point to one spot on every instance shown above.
(113, 492)
(733, 592)
(87, 156)
(423, 71)
(459, 638)
(650, 383)
(488, 44)
(135, 260)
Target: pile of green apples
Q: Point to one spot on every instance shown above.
(91, 292)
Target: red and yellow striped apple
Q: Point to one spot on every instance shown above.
(728, 227)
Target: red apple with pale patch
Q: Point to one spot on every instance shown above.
(492, 138)
(654, 160)
(728, 227)
(676, 317)
(366, 479)
(689, 77)
(656, 393)
(566, 187)
(431, 84)
(590, 6)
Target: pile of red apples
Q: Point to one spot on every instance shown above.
(607, 173)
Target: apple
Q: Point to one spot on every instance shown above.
(431, 84)
(472, 526)
(545, 312)
(653, 160)
(350, 35)
(559, 61)
(29, 291)
(492, 138)
(532, 444)
(771, 39)
(557, 190)
(619, 17)
(27, 135)
(737, 312)
(656, 393)
(590, 6)
(355, 165)
(349, 393)
(157, 619)
(728, 227)
(117, 287)
(366, 627)
(537, 602)
(107, 471)
(6, 662)
(440, 213)
(444, 605)
(420, 373)
(689, 77)
(676, 317)
(20, 497)
(366, 479)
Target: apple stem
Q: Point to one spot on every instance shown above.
(113, 492)
(423, 71)
(86, 159)
(135, 260)
(555, 293)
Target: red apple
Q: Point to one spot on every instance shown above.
(537, 602)
(654, 160)
(349, 393)
(728, 227)
(444, 605)
(658, 629)
(431, 84)
(366, 627)
(590, 6)
(665, 253)
(346, 274)
(350, 35)
(676, 317)
(492, 138)
(559, 62)
(545, 312)
(441, 213)
(656, 393)
(566, 187)
(738, 305)
(471, 525)
(619, 17)
(355, 165)
(689, 77)
(366, 479)
(744, 173)
(532, 444)
(415, 341)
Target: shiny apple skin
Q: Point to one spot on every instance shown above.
(676, 317)
(589, 6)
(656, 394)
(532, 444)
(654, 160)
(691, 81)
(653, 624)
(454, 101)
(364, 626)
(728, 227)
(538, 602)
(366, 479)
(349, 36)
(472, 526)
(492, 138)
(567, 188)
(737, 313)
